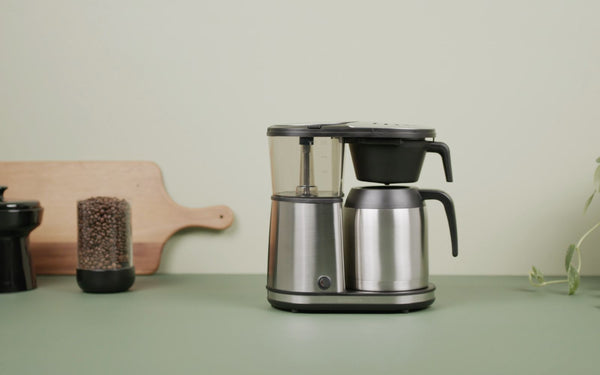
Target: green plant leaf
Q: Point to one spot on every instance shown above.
(569, 256)
(535, 276)
(598, 160)
(573, 279)
(588, 201)
(597, 179)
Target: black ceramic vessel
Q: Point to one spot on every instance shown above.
(17, 220)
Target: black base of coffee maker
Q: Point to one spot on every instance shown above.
(351, 308)
(353, 301)
(105, 281)
(16, 273)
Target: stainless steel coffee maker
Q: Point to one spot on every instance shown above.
(369, 255)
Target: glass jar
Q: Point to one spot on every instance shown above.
(104, 248)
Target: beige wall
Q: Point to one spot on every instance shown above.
(513, 87)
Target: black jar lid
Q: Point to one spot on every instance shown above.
(16, 205)
(352, 129)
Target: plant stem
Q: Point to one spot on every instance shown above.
(550, 282)
(555, 282)
(587, 234)
(581, 241)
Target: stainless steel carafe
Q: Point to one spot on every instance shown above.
(385, 237)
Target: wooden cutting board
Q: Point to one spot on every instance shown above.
(59, 185)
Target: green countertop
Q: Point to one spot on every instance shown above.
(222, 324)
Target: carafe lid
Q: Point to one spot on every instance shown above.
(384, 197)
(351, 129)
(16, 205)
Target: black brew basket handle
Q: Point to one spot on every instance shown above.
(443, 197)
(444, 151)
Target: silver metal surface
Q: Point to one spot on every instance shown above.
(354, 298)
(305, 244)
(306, 185)
(385, 249)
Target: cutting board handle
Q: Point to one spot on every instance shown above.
(213, 217)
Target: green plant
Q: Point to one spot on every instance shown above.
(536, 278)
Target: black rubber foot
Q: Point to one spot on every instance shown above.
(107, 281)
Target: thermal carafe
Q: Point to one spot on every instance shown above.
(385, 237)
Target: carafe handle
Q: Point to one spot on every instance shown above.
(444, 151)
(449, 207)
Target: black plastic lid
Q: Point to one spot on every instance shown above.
(351, 129)
(16, 205)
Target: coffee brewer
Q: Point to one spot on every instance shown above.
(371, 254)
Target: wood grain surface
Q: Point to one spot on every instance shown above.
(59, 185)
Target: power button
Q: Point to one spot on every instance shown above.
(324, 282)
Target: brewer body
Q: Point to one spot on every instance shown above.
(305, 237)
(305, 246)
